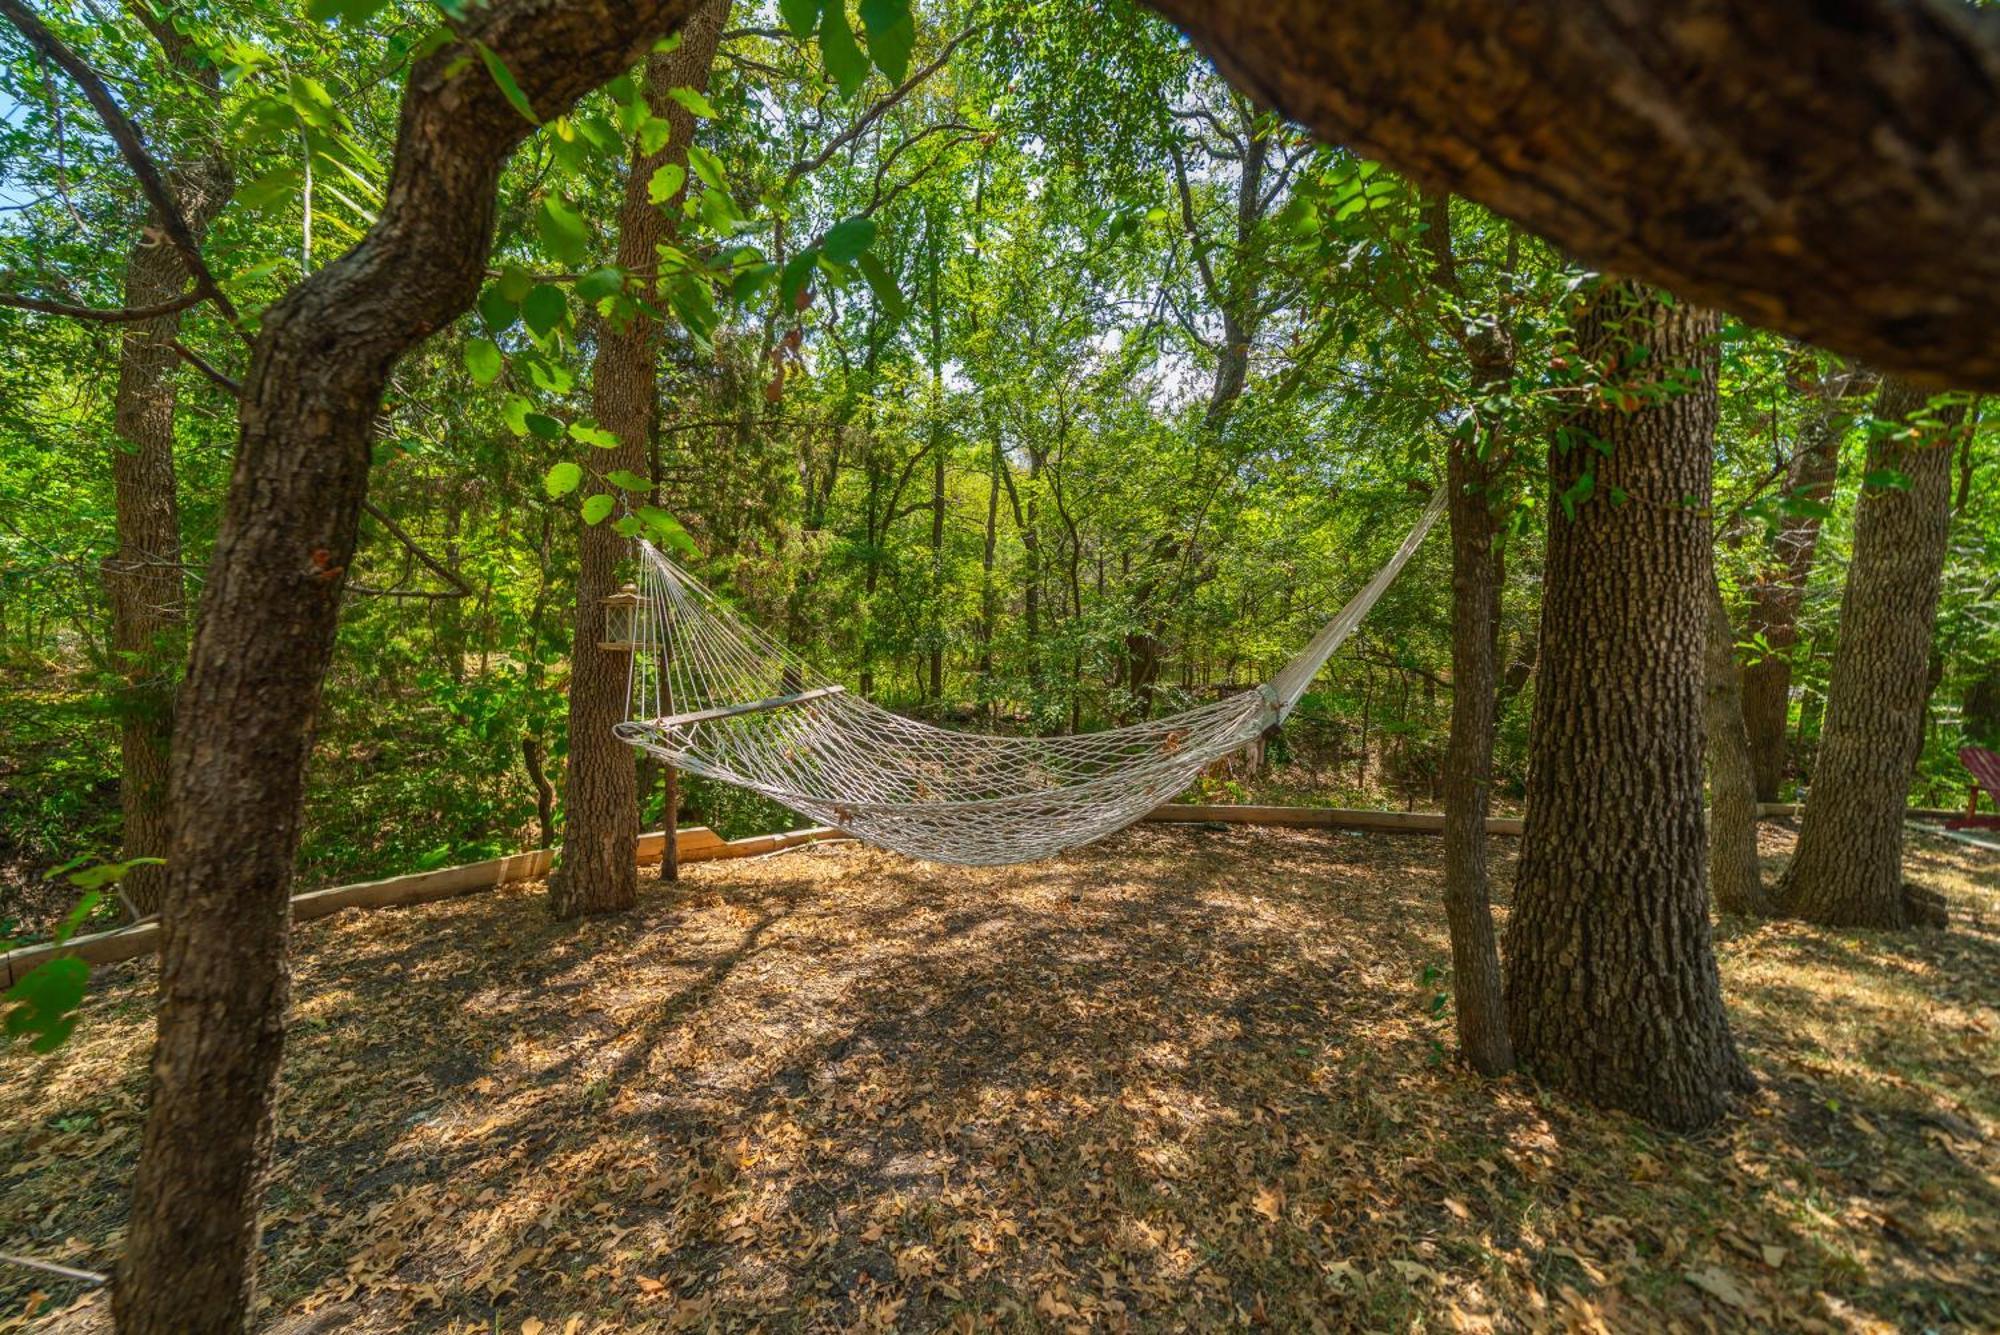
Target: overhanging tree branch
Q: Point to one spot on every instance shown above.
(1829, 172)
(130, 145)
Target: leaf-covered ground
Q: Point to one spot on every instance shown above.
(1187, 1079)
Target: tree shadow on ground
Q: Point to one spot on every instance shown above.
(1183, 1078)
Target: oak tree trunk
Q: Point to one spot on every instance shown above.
(1828, 171)
(599, 871)
(265, 633)
(1848, 870)
(1612, 987)
(1734, 879)
(142, 579)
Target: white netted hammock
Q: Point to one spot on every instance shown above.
(715, 696)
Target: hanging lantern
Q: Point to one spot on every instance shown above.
(621, 621)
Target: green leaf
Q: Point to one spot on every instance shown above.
(551, 377)
(753, 280)
(589, 433)
(707, 166)
(514, 413)
(801, 16)
(277, 187)
(626, 526)
(1577, 493)
(544, 309)
(654, 135)
(696, 104)
(694, 303)
(544, 426)
(837, 48)
(668, 178)
(1886, 479)
(504, 77)
(596, 508)
(667, 528)
(496, 310)
(598, 284)
(627, 480)
(482, 360)
(719, 211)
(45, 1000)
(797, 273)
(514, 282)
(883, 284)
(345, 11)
(562, 479)
(563, 232)
(845, 241)
(891, 35)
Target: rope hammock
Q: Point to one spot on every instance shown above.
(715, 696)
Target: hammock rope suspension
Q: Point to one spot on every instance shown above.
(715, 696)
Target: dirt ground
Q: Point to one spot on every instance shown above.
(1184, 1080)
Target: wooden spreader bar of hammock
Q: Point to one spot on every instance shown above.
(752, 707)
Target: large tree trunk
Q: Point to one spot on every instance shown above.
(1848, 871)
(1830, 171)
(1733, 876)
(142, 580)
(598, 872)
(1612, 988)
(266, 630)
(1775, 597)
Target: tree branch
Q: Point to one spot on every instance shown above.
(1831, 172)
(104, 315)
(126, 136)
(868, 117)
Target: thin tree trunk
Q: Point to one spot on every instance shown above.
(1733, 876)
(311, 397)
(1612, 987)
(142, 580)
(599, 872)
(1478, 575)
(1779, 590)
(1848, 871)
(545, 793)
(1477, 993)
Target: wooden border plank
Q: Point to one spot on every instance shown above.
(1321, 818)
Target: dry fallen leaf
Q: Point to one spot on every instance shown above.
(1718, 1283)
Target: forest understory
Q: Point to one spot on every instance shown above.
(1184, 1079)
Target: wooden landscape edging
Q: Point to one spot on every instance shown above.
(1322, 818)
(1408, 822)
(697, 843)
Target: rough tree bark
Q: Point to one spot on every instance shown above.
(1612, 988)
(1830, 171)
(142, 579)
(310, 400)
(1734, 880)
(1848, 871)
(1474, 475)
(598, 872)
(1775, 597)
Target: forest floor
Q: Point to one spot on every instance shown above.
(1186, 1079)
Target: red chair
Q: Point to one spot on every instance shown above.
(1984, 766)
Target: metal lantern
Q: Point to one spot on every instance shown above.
(621, 621)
